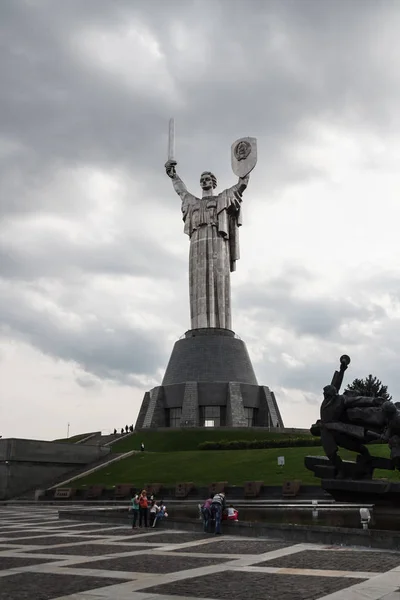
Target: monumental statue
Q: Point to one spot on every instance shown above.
(209, 380)
(212, 223)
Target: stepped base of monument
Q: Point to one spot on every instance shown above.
(209, 355)
(377, 492)
(209, 381)
(323, 468)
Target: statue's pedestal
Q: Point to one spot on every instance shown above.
(209, 381)
(356, 485)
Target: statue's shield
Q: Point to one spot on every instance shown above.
(244, 156)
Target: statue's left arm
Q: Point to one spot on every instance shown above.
(230, 218)
(235, 194)
(242, 184)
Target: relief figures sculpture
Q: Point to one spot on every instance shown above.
(353, 421)
(212, 224)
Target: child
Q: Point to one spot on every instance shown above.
(233, 514)
(206, 513)
(161, 512)
(153, 512)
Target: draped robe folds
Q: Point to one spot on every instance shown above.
(212, 225)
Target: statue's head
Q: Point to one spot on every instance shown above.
(208, 181)
(329, 391)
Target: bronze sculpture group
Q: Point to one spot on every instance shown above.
(353, 421)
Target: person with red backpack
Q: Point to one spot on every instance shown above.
(143, 508)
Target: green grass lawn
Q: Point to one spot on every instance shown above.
(186, 439)
(204, 467)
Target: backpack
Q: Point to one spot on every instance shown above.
(143, 502)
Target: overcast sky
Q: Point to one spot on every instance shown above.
(93, 258)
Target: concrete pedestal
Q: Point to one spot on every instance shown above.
(209, 379)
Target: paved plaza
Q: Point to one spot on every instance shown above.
(44, 558)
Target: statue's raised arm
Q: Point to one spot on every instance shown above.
(179, 186)
(236, 191)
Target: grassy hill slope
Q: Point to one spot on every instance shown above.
(204, 467)
(188, 439)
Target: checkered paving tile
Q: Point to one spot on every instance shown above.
(232, 585)
(44, 559)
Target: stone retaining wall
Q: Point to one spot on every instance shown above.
(370, 538)
(25, 464)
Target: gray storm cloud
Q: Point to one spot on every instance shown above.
(91, 85)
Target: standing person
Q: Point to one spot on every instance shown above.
(135, 510)
(206, 513)
(217, 508)
(153, 511)
(142, 447)
(143, 508)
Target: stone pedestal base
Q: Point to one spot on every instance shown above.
(209, 381)
(354, 483)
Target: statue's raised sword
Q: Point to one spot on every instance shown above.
(171, 162)
(171, 141)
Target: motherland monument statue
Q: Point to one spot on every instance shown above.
(212, 223)
(209, 380)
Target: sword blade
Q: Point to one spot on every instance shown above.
(171, 140)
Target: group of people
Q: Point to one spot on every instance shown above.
(214, 510)
(126, 429)
(146, 511)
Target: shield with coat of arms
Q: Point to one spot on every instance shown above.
(244, 156)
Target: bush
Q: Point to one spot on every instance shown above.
(258, 444)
